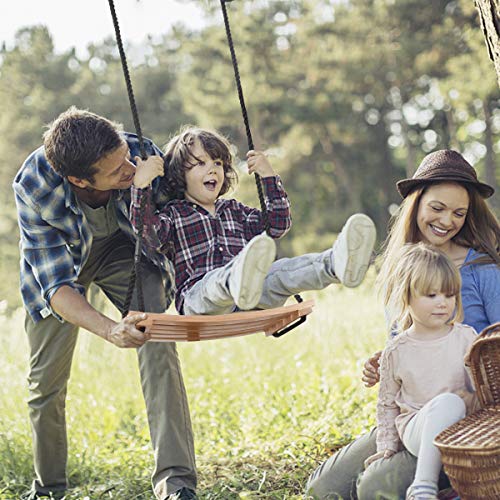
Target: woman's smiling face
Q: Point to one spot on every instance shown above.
(441, 213)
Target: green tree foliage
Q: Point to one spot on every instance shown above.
(346, 97)
(474, 111)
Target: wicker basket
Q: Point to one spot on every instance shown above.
(470, 449)
(484, 362)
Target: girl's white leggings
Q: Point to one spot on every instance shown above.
(438, 414)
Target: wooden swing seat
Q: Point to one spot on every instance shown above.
(176, 328)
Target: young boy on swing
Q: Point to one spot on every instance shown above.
(223, 259)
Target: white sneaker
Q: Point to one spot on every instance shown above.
(249, 270)
(352, 250)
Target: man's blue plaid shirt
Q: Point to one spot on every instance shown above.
(55, 236)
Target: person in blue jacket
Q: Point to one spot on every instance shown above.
(72, 196)
(443, 205)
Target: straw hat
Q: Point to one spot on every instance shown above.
(444, 165)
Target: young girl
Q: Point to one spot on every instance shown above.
(424, 387)
(221, 256)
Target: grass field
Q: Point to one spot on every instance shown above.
(265, 411)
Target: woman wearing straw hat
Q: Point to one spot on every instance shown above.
(443, 205)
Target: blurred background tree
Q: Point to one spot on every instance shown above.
(346, 96)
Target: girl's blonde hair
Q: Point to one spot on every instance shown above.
(481, 230)
(420, 270)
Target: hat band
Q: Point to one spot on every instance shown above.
(458, 176)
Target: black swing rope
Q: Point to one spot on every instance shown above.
(244, 113)
(135, 277)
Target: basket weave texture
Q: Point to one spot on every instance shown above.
(484, 362)
(470, 449)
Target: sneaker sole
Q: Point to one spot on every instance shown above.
(255, 268)
(360, 239)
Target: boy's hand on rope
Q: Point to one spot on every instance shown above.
(125, 334)
(379, 455)
(371, 374)
(259, 164)
(147, 170)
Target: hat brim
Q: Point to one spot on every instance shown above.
(406, 186)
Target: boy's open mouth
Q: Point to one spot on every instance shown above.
(210, 185)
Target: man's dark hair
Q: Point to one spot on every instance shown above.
(77, 139)
(179, 158)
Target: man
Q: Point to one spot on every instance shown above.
(72, 197)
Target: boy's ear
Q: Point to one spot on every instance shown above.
(81, 183)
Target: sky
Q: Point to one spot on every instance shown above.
(76, 23)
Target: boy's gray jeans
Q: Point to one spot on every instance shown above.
(286, 277)
(342, 476)
(51, 350)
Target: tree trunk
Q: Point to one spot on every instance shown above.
(342, 175)
(489, 13)
(452, 130)
(490, 166)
